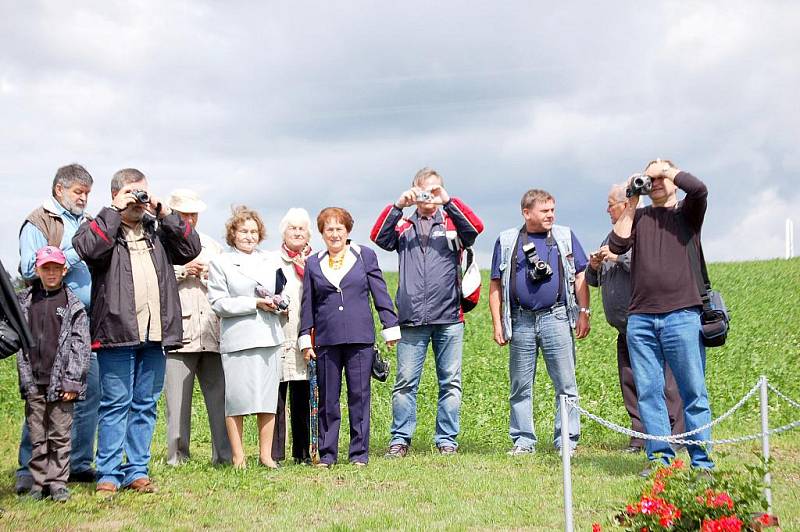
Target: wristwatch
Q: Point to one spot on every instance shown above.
(586, 311)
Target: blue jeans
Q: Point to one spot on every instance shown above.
(131, 379)
(674, 338)
(548, 330)
(448, 340)
(84, 427)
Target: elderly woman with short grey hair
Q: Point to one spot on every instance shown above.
(295, 231)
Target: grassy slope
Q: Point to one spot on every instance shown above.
(481, 487)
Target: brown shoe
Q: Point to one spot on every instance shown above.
(105, 490)
(142, 485)
(397, 450)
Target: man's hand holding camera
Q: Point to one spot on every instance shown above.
(132, 195)
(435, 195)
(602, 254)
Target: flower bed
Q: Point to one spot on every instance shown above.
(678, 498)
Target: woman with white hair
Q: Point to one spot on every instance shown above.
(295, 232)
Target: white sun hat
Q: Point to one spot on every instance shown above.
(186, 200)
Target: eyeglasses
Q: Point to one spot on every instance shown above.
(610, 205)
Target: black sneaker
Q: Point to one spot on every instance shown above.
(87, 475)
(60, 495)
(36, 494)
(397, 450)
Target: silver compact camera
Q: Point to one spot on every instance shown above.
(641, 185)
(281, 301)
(424, 197)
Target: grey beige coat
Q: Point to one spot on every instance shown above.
(71, 364)
(294, 366)
(200, 322)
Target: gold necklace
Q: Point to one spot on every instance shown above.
(337, 262)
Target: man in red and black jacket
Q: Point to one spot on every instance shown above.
(130, 248)
(428, 244)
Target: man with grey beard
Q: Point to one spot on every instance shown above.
(54, 223)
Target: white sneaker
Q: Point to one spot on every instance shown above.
(519, 451)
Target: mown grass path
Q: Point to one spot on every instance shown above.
(481, 487)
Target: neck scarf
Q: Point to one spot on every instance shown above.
(298, 258)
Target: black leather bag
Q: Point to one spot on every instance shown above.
(714, 320)
(380, 366)
(10, 342)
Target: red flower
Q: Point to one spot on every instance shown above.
(765, 519)
(723, 524)
(596, 527)
(678, 464)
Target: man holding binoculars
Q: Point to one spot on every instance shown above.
(537, 296)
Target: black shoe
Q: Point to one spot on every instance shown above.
(36, 494)
(302, 461)
(24, 484)
(87, 475)
(644, 473)
(60, 495)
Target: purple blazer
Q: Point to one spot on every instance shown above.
(343, 315)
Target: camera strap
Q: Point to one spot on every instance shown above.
(515, 256)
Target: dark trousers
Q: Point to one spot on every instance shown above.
(50, 427)
(628, 386)
(299, 394)
(356, 360)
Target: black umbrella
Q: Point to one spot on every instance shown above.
(12, 316)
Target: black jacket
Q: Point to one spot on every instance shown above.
(101, 244)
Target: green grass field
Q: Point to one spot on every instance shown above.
(481, 487)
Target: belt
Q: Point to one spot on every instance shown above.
(548, 310)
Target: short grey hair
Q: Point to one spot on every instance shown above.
(424, 174)
(125, 177)
(66, 176)
(295, 216)
(618, 191)
(534, 195)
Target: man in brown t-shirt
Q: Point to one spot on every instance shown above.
(664, 313)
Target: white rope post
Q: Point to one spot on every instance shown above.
(765, 441)
(789, 238)
(565, 463)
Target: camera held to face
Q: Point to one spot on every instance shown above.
(281, 301)
(538, 270)
(641, 185)
(141, 196)
(424, 196)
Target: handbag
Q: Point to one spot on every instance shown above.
(714, 319)
(10, 342)
(380, 366)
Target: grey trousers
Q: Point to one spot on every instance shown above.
(50, 428)
(182, 368)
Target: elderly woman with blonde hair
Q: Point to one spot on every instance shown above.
(241, 284)
(295, 230)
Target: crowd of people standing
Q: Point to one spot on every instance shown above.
(135, 300)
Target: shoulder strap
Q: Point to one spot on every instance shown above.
(551, 241)
(698, 265)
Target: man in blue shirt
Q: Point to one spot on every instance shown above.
(537, 296)
(54, 223)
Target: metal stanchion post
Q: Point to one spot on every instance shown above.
(565, 464)
(765, 440)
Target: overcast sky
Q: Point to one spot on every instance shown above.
(280, 104)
